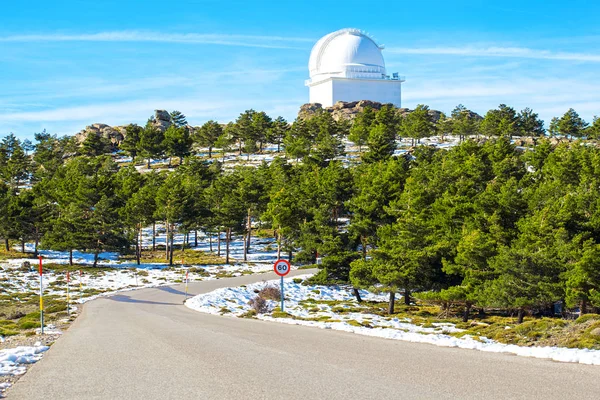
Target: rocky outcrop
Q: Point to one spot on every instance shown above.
(114, 134)
(162, 120)
(349, 110)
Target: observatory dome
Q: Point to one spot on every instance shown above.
(347, 53)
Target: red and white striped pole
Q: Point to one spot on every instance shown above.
(41, 270)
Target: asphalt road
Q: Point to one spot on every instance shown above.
(146, 345)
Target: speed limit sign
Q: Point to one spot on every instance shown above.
(282, 267)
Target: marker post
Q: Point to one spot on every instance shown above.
(68, 294)
(80, 285)
(41, 296)
(282, 268)
(186, 283)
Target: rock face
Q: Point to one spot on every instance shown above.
(161, 120)
(348, 110)
(114, 134)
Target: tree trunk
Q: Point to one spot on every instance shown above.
(290, 255)
(171, 247)
(363, 242)
(357, 295)
(95, 258)
(245, 248)
(209, 151)
(153, 236)
(167, 240)
(407, 297)
(22, 245)
(521, 315)
(227, 239)
(138, 245)
(278, 245)
(148, 164)
(7, 245)
(466, 312)
(141, 235)
(210, 241)
(195, 238)
(70, 256)
(37, 242)
(391, 302)
(219, 244)
(249, 230)
(583, 308)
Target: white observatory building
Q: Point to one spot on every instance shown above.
(347, 65)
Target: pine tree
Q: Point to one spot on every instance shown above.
(151, 144)
(418, 124)
(277, 132)
(131, 143)
(177, 143)
(208, 134)
(529, 124)
(361, 126)
(571, 124)
(95, 145)
(382, 143)
(178, 119)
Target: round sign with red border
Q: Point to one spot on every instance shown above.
(282, 267)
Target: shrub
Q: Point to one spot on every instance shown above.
(28, 324)
(297, 281)
(259, 304)
(270, 293)
(587, 317)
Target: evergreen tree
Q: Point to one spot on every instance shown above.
(95, 145)
(131, 143)
(277, 132)
(418, 124)
(151, 143)
(571, 124)
(177, 143)
(208, 134)
(529, 124)
(178, 119)
(382, 143)
(361, 127)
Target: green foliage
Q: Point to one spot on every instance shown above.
(178, 119)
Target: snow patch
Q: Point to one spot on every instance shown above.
(233, 301)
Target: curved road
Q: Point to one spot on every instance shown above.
(146, 345)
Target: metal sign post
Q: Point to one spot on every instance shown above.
(41, 296)
(282, 268)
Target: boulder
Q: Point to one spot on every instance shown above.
(161, 120)
(162, 115)
(343, 110)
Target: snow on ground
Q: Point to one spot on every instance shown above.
(13, 361)
(308, 306)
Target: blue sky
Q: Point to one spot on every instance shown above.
(65, 64)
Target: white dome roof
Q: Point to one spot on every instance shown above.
(346, 53)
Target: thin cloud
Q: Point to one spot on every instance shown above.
(270, 42)
(506, 52)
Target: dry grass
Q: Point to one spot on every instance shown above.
(188, 256)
